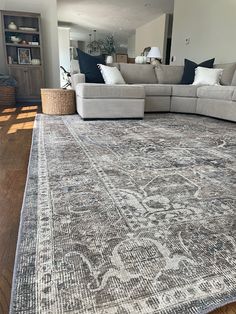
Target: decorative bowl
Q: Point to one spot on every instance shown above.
(15, 39)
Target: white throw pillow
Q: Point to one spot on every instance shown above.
(111, 75)
(205, 76)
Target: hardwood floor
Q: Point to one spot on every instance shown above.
(16, 126)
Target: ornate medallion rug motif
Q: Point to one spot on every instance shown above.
(128, 217)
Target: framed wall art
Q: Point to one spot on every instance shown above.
(24, 56)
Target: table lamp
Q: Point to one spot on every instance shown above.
(155, 54)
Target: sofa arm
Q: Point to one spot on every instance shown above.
(76, 79)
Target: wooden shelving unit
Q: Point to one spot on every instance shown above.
(19, 56)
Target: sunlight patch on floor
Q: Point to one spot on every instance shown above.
(27, 108)
(9, 110)
(20, 126)
(26, 115)
(5, 118)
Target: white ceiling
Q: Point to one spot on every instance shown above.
(119, 17)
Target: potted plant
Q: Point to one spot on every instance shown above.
(109, 48)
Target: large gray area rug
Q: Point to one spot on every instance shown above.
(128, 217)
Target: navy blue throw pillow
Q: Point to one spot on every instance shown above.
(88, 66)
(189, 70)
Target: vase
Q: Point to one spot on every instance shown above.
(109, 60)
(12, 26)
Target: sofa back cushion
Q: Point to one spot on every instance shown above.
(228, 73)
(169, 74)
(138, 73)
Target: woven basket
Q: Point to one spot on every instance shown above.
(7, 96)
(58, 101)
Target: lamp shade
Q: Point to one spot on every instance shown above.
(154, 53)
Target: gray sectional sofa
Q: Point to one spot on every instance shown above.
(156, 89)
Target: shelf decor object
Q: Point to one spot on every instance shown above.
(12, 26)
(22, 41)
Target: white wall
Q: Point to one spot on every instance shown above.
(48, 10)
(64, 50)
(151, 34)
(210, 25)
(131, 46)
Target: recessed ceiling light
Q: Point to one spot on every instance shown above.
(147, 5)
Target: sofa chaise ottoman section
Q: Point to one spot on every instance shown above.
(96, 101)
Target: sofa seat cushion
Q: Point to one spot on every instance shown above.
(157, 89)
(184, 90)
(138, 73)
(216, 92)
(89, 90)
